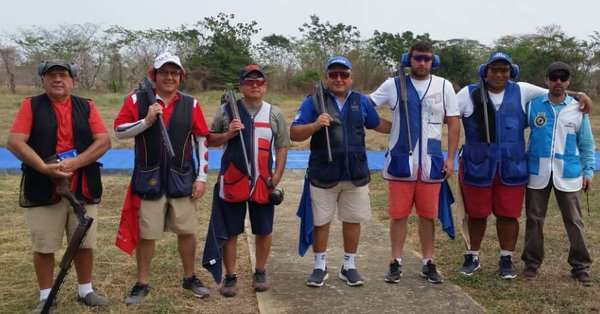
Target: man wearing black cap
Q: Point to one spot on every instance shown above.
(168, 187)
(493, 164)
(339, 184)
(247, 187)
(58, 125)
(561, 157)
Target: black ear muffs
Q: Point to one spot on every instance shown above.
(276, 196)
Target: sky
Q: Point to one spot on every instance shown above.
(481, 20)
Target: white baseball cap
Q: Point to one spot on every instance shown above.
(167, 57)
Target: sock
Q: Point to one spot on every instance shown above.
(349, 260)
(506, 253)
(44, 293)
(321, 260)
(84, 289)
(425, 260)
(476, 253)
(399, 260)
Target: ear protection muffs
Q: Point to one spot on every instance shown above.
(514, 71)
(71, 67)
(405, 61)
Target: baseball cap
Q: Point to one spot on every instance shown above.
(558, 66)
(167, 57)
(249, 69)
(46, 66)
(499, 56)
(341, 60)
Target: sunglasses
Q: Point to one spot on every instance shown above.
(169, 72)
(563, 77)
(419, 58)
(344, 75)
(253, 82)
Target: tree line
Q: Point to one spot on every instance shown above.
(213, 50)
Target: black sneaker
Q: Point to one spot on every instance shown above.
(394, 273)
(259, 281)
(194, 285)
(351, 277)
(506, 269)
(583, 277)
(430, 273)
(470, 265)
(137, 293)
(317, 278)
(228, 288)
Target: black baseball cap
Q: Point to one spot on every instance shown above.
(46, 66)
(251, 69)
(558, 66)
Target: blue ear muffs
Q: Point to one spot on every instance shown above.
(405, 61)
(514, 70)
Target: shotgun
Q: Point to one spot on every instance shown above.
(485, 110)
(230, 100)
(403, 95)
(146, 88)
(319, 93)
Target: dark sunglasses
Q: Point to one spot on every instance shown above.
(252, 82)
(344, 75)
(563, 77)
(419, 58)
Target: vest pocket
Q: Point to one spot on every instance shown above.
(36, 189)
(180, 181)
(514, 164)
(262, 192)
(147, 182)
(476, 162)
(434, 150)
(571, 167)
(399, 165)
(235, 185)
(359, 169)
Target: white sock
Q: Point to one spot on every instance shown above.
(399, 260)
(349, 260)
(321, 260)
(84, 289)
(506, 253)
(425, 260)
(476, 253)
(44, 293)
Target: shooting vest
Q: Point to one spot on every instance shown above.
(553, 150)
(38, 189)
(154, 174)
(506, 152)
(426, 118)
(238, 182)
(347, 138)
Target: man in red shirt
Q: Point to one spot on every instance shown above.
(53, 124)
(168, 187)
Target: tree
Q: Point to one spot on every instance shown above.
(459, 60)
(8, 56)
(389, 47)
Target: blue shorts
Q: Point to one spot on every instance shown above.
(261, 217)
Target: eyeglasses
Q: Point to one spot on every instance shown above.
(344, 75)
(424, 58)
(252, 82)
(563, 77)
(168, 72)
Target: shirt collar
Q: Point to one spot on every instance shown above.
(568, 99)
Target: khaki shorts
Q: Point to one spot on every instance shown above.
(177, 215)
(351, 202)
(48, 224)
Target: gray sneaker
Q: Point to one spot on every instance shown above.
(194, 285)
(394, 273)
(259, 281)
(429, 272)
(351, 277)
(317, 278)
(93, 299)
(228, 288)
(137, 293)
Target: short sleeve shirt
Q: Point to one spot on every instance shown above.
(528, 92)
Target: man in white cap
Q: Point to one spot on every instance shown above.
(168, 187)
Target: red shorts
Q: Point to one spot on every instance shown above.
(500, 199)
(403, 194)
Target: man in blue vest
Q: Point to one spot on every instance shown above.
(247, 187)
(57, 125)
(493, 164)
(342, 182)
(561, 157)
(415, 170)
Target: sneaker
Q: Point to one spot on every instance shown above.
(195, 286)
(506, 269)
(470, 265)
(530, 272)
(38, 309)
(259, 281)
(137, 293)
(351, 277)
(93, 299)
(228, 288)
(394, 273)
(317, 278)
(583, 277)
(430, 273)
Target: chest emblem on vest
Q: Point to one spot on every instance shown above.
(540, 119)
(152, 182)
